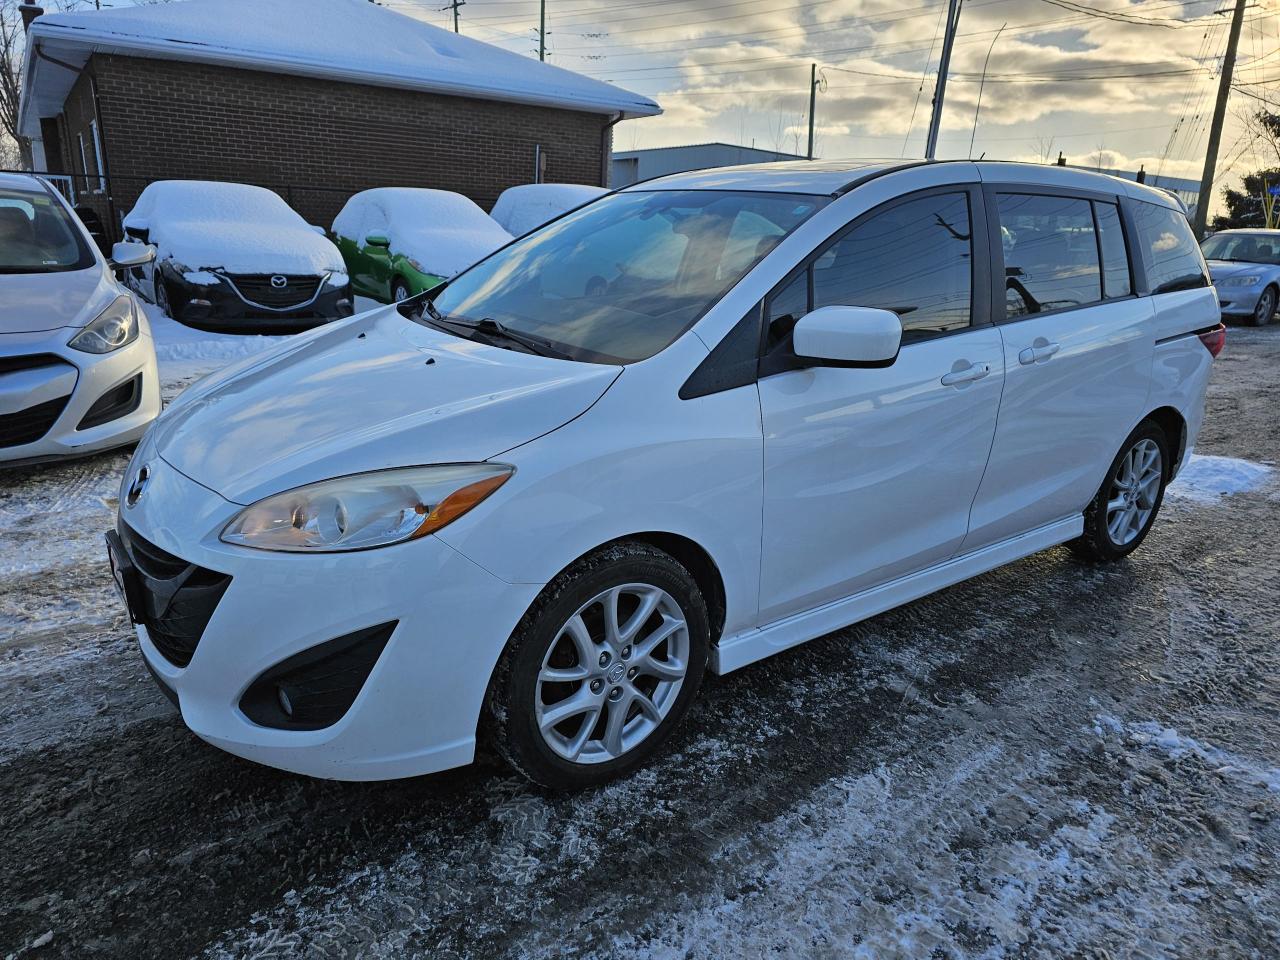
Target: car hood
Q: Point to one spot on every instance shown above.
(1221, 269)
(240, 248)
(373, 392)
(47, 301)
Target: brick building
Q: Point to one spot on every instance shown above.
(316, 99)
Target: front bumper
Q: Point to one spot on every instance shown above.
(417, 710)
(65, 430)
(220, 306)
(1238, 301)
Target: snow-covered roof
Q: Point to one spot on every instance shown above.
(349, 40)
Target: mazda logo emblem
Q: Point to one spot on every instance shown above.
(138, 485)
(278, 282)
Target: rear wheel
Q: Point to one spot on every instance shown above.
(1121, 515)
(601, 669)
(1266, 308)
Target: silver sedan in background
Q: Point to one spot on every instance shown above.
(1245, 267)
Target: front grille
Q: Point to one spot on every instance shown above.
(257, 288)
(179, 597)
(29, 425)
(31, 361)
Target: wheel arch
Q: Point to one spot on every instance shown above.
(1174, 425)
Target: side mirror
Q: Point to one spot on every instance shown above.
(376, 240)
(848, 336)
(126, 255)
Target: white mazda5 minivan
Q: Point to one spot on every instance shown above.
(684, 427)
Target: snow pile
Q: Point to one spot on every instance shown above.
(350, 39)
(443, 231)
(205, 225)
(1207, 479)
(527, 207)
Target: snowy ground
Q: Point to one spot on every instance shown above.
(1052, 760)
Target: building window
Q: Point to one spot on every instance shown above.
(97, 156)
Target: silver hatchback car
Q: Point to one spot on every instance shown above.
(77, 365)
(1245, 267)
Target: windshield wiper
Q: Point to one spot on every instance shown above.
(495, 329)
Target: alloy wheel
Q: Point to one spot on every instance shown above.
(1134, 491)
(162, 297)
(612, 674)
(1266, 307)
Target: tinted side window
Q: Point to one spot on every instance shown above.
(1173, 257)
(1115, 260)
(1050, 253)
(786, 307)
(915, 259)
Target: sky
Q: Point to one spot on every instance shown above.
(1117, 84)
(1133, 88)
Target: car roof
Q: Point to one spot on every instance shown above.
(834, 177)
(21, 181)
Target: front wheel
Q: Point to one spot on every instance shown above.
(161, 298)
(1121, 515)
(399, 291)
(601, 669)
(1266, 307)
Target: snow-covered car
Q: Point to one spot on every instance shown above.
(530, 205)
(540, 501)
(77, 365)
(237, 257)
(1245, 267)
(400, 241)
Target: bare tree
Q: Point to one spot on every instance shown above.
(1044, 147)
(12, 38)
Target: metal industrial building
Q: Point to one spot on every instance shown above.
(632, 166)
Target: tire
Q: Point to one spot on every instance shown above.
(1265, 309)
(1120, 516)
(399, 290)
(605, 730)
(160, 296)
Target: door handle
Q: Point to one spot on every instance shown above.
(969, 374)
(1042, 350)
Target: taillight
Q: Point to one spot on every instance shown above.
(1214, 340)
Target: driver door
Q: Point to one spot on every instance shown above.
(869, 474)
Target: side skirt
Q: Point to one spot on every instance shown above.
(749, 646)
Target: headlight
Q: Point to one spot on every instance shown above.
(1238, 281)
(365, 510)
(115, 327)
(415, 264)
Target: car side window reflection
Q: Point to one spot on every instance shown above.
(1050, 253)
(914, 258)
(787, 306)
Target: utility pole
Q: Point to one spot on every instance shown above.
(948, 40)
(1219, 115)
(542, 31)
(813, 102)
(454, 5)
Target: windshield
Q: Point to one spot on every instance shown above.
(1246, 247)
(620, 279)
(37, 235)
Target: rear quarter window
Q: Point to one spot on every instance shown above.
(1173, 258)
